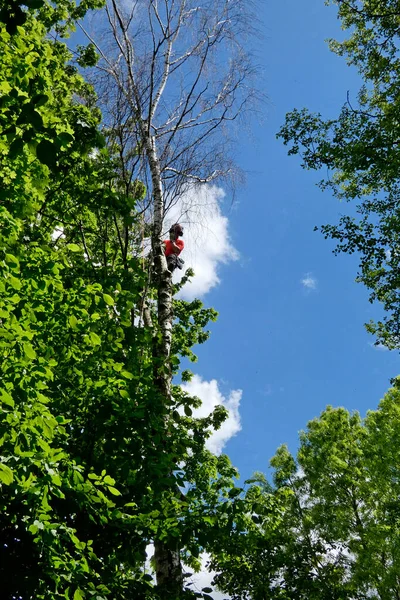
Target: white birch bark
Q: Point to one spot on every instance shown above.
(169, 573)
(164, 285)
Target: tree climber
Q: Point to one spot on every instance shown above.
(173, 247)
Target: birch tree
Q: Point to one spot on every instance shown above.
(84, 485)
(173, 78)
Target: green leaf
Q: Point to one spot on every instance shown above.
(64, 138)
(73, 321)
(56, 479)
(15, 283)
(6, 475)
(95, 339)
(16, 148)
(6, 398)
(114, 491)
(188, 411)
(40, 99)
(29, 351)
(108, 299)
(126, 374)
(46, 152)
(10, 133)
(12, 261)
(78, 595)
(36, 121)
(73, 247)
(34, 3)
(234, 492)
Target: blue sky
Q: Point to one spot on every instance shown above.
(290, 337)
(290, 349)
(284, 350)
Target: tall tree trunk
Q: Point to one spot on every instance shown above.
(164, 285)
(168, 569)
(175, 92)
(167, 555)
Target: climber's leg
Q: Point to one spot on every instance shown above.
(172, 262)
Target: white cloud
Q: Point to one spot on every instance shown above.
(94, 153)
(309, 282)
(57, 234)
(208, 392)
(206, 237)
(149, 555)
(204, 578)
(380, 347)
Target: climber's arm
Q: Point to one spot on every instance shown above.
(177, 245)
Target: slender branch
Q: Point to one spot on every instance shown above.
(85, 246)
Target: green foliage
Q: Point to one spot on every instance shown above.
(88, 56)
(329, 529)
(41, 552)
(188, 329)
(360, 150)
(93, 458)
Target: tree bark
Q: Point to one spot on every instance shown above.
(167, 556)
(168, 570)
